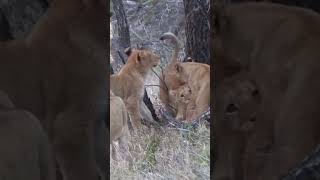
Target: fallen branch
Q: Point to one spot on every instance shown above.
(171, 121)
(161, 79)
(149, 105)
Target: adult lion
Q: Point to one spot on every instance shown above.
(168, 80)
(272, 50)
(24, 149)
(58, 74)
(196, 75)
(129, 82)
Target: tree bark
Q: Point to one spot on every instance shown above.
(123, 27)
(21, 15)
(122, 41)
(197, 30)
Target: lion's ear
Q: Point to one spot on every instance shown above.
(178, 67)
(128, 51)
(141, 55)
(138, 57)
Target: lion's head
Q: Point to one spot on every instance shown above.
(183, 94)
(143, 58)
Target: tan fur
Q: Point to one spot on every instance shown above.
(266, 89)
(197, 76)
(58, 74)
(129, 82)
(183, 97)
(176, 74)
(119, 130)
(168, 81)
(24, 150)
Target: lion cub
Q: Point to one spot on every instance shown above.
(129, 82)
(183, 99)
(119, 130)
(197, 76)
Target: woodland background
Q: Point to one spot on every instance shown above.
(148, 19)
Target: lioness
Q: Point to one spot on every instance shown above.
(24, 150)
(129, 82)
(119, 130)
(197, 76)
(268, 43)
(168, 81)
(183, 97)
(176, 74)
(58, 74)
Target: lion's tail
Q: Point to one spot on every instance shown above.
(176, 43)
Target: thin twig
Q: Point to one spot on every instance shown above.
(160, 78)
(139, 37)
(150, 85)
(121, 57)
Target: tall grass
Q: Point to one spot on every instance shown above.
(168, 153)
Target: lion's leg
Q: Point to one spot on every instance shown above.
(124, 144)
(181, 112)
(202, 104)
(74, 144)
(133, 108)
(124, 147)
(190, 111)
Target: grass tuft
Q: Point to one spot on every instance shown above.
(167, 154)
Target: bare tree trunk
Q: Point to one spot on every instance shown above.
(197, 30)
(123, 27)
(122, 41)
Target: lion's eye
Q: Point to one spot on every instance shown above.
(232, 108)
(181, 95)
(189, 90)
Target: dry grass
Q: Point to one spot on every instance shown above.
(166, 154)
